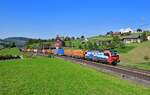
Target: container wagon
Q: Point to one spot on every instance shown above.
(78, 54)
(67, 52)
(49, 52)
(59, 51)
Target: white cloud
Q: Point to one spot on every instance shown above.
(125, 30)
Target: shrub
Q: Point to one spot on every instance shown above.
(146, 57)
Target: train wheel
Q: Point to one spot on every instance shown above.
(114, 63)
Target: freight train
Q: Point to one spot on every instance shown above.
(103, 56)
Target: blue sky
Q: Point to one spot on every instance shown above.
(47, 18)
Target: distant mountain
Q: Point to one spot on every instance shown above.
(3, 43)
(19, 41)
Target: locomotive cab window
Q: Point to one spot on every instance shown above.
(106, 54)
(114, 53)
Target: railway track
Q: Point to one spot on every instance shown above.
(137, 75)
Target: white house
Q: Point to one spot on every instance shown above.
(131, 39)
(148, 38)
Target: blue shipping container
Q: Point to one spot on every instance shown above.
(60, 51)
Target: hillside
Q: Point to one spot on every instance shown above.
(136, 55)
(3, 43)
(10, 51)
(19, 41)
(100, 38)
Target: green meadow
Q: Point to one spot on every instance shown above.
(51, 76)
(138, 57)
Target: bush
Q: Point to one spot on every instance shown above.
(7, 57)
(146, 57)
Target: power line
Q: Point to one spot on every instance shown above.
(140, 26)
(145, 25)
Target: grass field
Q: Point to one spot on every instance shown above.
(45, 76)
(135, 57)
(10, 51)
(100, 38)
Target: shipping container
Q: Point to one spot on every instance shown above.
(78, 53)
(53, 51)
(49, 51)
(68, 52)
(60, 51)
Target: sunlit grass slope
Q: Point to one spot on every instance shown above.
(10, 51)
(136, 55)
(45, 76)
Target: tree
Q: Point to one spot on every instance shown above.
(7, 45)
(130, 32)
(139, 30)
(82, 37)
(80, 47)
(73, 45)
(122, 45)
(85, 46)
(109, 33)
(77, 38)
(115, 42)
(70, 44)
(53, 39)
(67, 38)
(95, 46)
(13, 45)
(143, 36)
(90, 45)
(73, 38)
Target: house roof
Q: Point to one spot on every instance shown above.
(131, 37)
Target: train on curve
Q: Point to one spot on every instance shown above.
(103, 56)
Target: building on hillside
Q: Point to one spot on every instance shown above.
(113, 33)
(116, 34)
(148, 38)
(131, 39)
(85, 40)
(58, 42)
(121, 32)
(109, 33)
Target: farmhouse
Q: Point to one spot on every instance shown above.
(116, 34)
(58, 42)
(113, 33)
(148, 38)
(131, 39)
